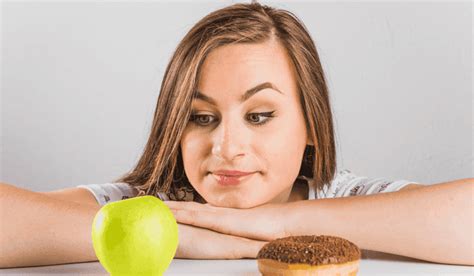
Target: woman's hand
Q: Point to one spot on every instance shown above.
(200, 243)
(264, 223)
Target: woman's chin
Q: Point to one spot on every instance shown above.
(232, 202)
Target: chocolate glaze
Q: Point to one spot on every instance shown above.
(312, 250)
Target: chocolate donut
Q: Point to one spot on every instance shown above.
(309, 255)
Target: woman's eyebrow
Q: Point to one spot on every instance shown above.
(249, 93)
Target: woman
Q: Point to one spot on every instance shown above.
(245, 95)
(242, 137)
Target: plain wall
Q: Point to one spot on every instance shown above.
(79, 84)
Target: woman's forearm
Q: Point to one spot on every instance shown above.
(433, 223)
(39, 230)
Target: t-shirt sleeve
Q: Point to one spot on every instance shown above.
(110, 192)
(346, 183)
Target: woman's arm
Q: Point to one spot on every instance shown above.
(433, 223)
(37, 229)
(43, 229)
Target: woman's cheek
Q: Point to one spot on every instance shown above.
(191, 158)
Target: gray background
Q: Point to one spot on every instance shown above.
(79, 84)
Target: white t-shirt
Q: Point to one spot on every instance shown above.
(344, 184)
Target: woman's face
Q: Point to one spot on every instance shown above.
(240, 128)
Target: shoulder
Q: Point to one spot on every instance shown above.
(347, 183)
(340, 179)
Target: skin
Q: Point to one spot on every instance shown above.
(227, 135)
(237, 221)
(430, 223)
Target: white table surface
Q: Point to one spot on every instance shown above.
(372, 263)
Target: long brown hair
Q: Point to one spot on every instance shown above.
(160, 168)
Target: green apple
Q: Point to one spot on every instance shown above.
(136, 236)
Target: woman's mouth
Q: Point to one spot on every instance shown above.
(231, 180)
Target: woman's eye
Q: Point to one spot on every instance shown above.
(200, 119)
(254, 118)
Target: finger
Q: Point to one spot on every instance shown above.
(198, 214)
(188, 205)
(200, 243)
(232, 247)
(233, 222)
(254, 223)
(250, 248)
(203, 219)
(174, 204)
(219, 219)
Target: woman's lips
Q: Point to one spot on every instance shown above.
(231, 173)
(227, 180)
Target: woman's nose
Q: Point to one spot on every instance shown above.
(228, 141)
